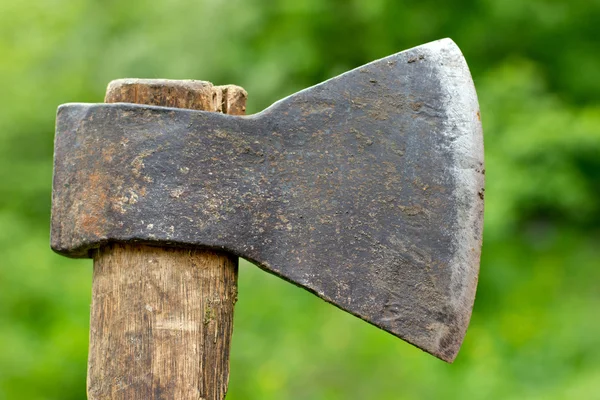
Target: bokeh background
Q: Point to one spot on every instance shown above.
(535, 331)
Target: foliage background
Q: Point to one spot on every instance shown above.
(535, 331)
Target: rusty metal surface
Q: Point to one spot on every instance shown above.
(366, 190)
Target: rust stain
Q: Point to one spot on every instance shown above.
(416, 106)
(93, 201)
(108, 154)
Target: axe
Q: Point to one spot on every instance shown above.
(366, 190)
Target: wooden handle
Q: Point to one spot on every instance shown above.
(162, 318)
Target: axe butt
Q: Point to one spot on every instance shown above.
(162, 318)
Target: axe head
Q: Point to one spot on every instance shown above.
(366, 190)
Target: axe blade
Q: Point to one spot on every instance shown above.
(366, 189)
(408, 262)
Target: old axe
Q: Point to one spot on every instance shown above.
(366, 190)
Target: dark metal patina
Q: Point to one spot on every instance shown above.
(365, 190)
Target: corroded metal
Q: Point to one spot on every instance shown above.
(366, 190)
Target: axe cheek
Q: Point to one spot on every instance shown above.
(366, 189)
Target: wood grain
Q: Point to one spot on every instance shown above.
(162, 318)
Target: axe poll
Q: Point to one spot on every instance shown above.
(366, 190)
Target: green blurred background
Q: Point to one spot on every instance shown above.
(535, 331)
